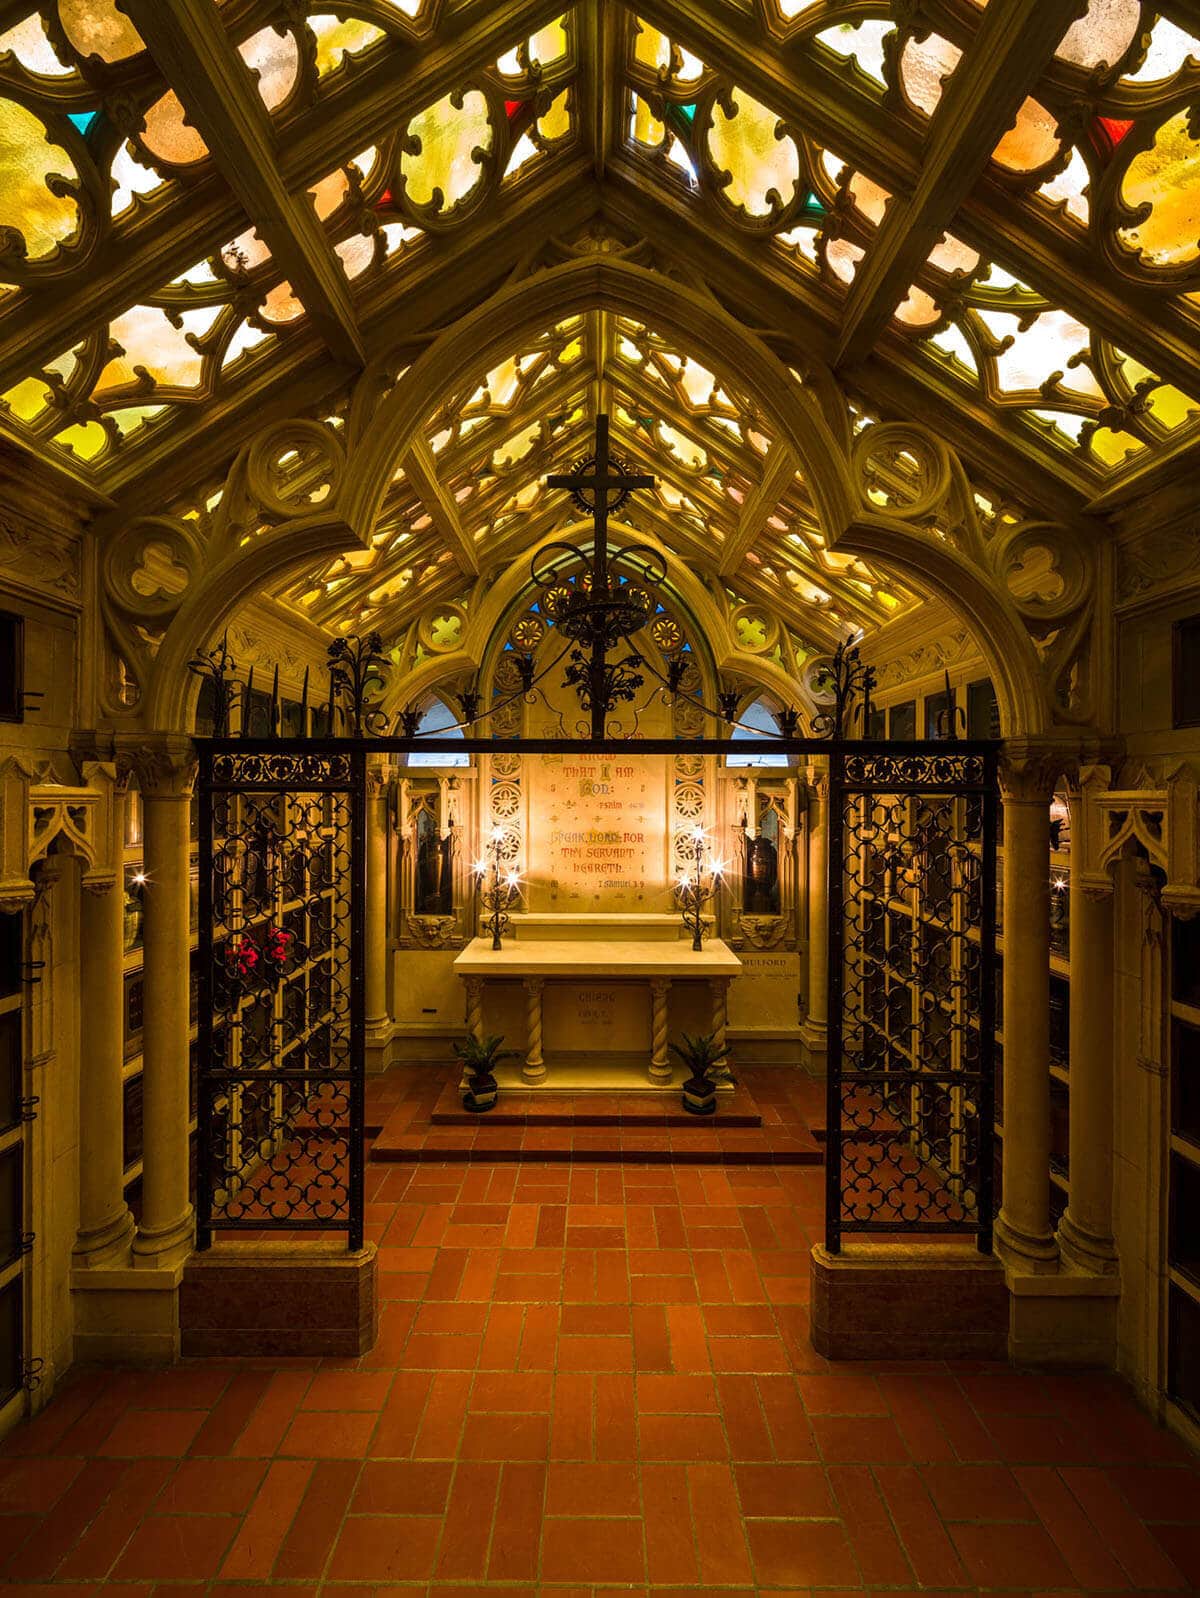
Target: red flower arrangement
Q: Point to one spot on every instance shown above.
(242, 955)
(279, 945)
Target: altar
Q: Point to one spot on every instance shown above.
(596, 998)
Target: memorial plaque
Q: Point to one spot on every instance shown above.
(598, 835)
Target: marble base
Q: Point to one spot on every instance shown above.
(900, 1302)
(264, 1300)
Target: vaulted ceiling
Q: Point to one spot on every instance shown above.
(983, 216)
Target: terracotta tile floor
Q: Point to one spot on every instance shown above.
(594, 1379)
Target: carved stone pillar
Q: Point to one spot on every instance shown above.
(1085, 1231)
(105, 1224)
(718, 987)
(375, 930)
(534, 1069)
(660, 1059)
(1023, 1235)
(474, 989)
(814, 1033)
(166, 769)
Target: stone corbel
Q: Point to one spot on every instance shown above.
(1161, 816)
(38, 815)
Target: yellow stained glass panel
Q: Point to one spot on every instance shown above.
(452, 140)
(1165, 177)
(27, 159)
(762, 161)
(335, 39)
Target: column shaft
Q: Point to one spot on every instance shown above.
(660, 1059)
(375, 907)
(1085, 1232)
(1023, 1232)
(534, 1068)
(165, 1232)
(105, 1224)
(816, 1025)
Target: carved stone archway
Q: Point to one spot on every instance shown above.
(960, 573)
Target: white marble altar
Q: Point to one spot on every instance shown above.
(604, 978)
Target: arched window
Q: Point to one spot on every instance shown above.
(439, 720)
(756, 719)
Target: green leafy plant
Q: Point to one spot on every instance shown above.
(702, 1056)
(481, 1056)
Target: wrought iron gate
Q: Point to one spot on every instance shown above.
(912, 985)
(280, 1070)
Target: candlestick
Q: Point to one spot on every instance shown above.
(503, 887)
(698, 887)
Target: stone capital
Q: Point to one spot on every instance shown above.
(163, 763)
(1030, 770)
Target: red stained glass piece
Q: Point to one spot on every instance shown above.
(385, 198)
(512, 107)
(1107, 133)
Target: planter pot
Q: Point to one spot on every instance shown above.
(699, 1096)
(481, 1094)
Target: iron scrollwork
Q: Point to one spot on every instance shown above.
(280, 1073)
(912, 1045)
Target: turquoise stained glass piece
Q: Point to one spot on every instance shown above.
(83, 120)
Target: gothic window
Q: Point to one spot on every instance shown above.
(439, 720)
(755, 723)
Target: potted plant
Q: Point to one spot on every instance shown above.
(480, 1057)
(707, 1063)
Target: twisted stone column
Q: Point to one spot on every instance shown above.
(474, 987)
(534, 1069)
(660, 1058)
(718, 987)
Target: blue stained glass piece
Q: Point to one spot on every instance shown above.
(83, 119)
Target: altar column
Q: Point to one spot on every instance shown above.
(1085, 1232)
(660, 1058)
(1024, 1238)
(534, 1069)
(105, 1224)
(815, 1031)
(474, 992)
(166, 768)
(375, 929)
(718, 987)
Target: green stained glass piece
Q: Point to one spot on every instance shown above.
(812, 205)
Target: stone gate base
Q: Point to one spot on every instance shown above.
(889, 1301)
(268, 1299)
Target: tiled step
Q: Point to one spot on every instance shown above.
(534, 1108)
(595, 1145)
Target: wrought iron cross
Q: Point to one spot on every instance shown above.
(601, 477)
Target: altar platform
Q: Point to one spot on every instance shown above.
(784, 1109)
